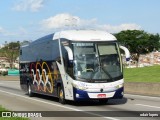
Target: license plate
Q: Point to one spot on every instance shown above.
(101, 95)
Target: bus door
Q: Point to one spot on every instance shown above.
(67, 83)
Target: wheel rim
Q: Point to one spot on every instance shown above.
(29, 89)
(61, 94)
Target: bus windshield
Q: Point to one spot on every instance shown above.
(97, 61)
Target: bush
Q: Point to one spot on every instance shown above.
(5, 73)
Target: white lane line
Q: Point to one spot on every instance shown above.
(143, 96)
(111, 118)
(148, 106)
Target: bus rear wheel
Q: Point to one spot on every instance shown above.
(61, 95)
(29, 91)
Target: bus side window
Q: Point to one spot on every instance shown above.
(21, 52)
(65, 60)
(58, 60)
(68, 65)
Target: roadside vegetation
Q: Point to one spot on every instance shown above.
(7, 118)
(138, 42)
(11, 52)
(144, 74)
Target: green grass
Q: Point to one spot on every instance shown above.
(7, 118)
(145, 74)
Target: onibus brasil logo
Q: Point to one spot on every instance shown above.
(20, 114)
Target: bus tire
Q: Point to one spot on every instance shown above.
(61, 95)
(29, 90)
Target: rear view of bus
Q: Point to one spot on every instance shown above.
(78, 64)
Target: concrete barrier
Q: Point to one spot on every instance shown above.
(142, 88)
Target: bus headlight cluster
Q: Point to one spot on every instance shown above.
(79, 87)
(119, 86)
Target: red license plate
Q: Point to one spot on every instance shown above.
(101, 95)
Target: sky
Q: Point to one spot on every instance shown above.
(31, 19)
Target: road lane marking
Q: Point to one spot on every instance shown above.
(143, 96)
(148, 106)
(58, 105)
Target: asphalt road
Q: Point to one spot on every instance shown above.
(130, 107)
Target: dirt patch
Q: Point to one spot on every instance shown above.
(9, 78)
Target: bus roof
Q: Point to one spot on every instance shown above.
(77, 35)
(85, 35)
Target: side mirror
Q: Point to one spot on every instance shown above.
(127, 53)
(70, 53)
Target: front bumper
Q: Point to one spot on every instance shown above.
(84, 95)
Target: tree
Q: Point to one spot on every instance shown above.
(153, 42)
(11, 51)
(138, 42)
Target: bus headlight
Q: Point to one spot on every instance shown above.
(79, 87)
(119, 86)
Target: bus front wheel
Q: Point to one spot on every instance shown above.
(61, 95)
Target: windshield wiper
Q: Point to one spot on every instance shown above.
(105, 71)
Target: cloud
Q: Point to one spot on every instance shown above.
(65, 20)
(19, 32)
(118, 28)
(1, 30)
(31, 5)
(62, 21)
(22, 31)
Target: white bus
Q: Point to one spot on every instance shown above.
(73, 65)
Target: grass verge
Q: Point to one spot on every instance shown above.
(145, 74)
(7, 118)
